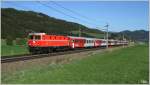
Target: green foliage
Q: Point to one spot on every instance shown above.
(21, 41)
(126, 66)
(3, 42)
(14, 49)
(9, 41)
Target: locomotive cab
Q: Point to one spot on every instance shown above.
(34, 41)
(35, 37)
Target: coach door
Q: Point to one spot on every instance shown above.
(73, 43)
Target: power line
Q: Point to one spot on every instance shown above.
(54, 10)
(83, 16)
(100, 28)
(62, 12)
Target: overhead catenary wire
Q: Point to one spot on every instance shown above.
(48, 6)
(60, 12)
(100, 28)
(74, 12)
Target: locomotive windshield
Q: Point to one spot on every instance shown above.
(35, 37)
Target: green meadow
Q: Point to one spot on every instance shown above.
(8, 50)
(123, 66)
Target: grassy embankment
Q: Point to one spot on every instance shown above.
(7, 50)
(128, 65)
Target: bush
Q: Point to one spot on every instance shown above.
(9, 41)
(21, 41)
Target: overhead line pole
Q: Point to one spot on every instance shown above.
(123, 39)
(107, 35)
(79, 31)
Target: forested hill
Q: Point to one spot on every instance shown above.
(18, 23)
(138, 35)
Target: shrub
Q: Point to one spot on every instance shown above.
(9, 41)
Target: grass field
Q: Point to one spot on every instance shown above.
(7, 50)
(128, 66)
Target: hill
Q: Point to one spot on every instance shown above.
(138, 35)
(18, 23)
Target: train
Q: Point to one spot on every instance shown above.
(45, 43)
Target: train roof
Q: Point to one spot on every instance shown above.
(37, 33)
(83, 38)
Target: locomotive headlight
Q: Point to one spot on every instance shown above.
(33, 41)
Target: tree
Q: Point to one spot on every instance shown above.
(9, 40)
(21, 41)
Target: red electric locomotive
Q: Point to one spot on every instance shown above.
(40, 42)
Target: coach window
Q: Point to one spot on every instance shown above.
(73, 41)
(76, 41)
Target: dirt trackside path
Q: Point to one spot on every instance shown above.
(61, 59)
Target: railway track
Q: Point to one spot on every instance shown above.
(29, 56)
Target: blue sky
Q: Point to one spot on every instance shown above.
(121, 15)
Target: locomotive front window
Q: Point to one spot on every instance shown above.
(37, 37)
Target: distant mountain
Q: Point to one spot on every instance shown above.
(138, 35)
